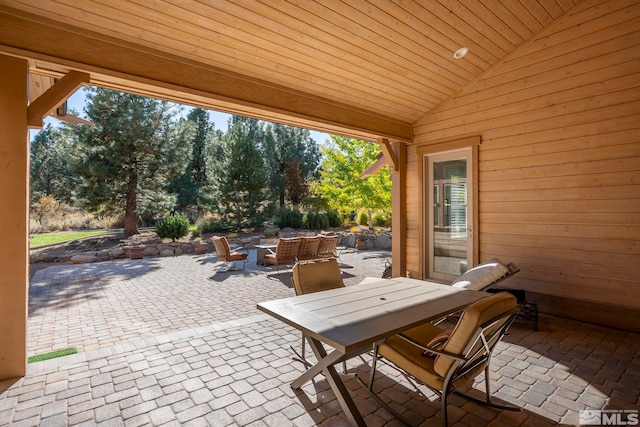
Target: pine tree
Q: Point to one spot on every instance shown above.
(126, 159)
(50, 172)
(292, 157)
(240, 172)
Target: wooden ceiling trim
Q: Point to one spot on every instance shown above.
(370, 31)
(179, 47)
(45, 40)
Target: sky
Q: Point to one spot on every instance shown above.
(77, 102)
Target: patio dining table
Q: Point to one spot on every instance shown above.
(353, 318)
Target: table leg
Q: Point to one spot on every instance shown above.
(325, 365)
(260, 256)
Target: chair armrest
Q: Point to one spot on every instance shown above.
(432, 350)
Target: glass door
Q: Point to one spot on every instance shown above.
(449, 240)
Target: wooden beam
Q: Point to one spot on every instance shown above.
(105, 57)
(54, 97)
(388, 154)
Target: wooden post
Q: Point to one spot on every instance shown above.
(399, 211)
(14, 217)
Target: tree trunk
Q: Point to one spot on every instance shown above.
(130, 219)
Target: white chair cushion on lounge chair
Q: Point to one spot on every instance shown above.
(481, 276)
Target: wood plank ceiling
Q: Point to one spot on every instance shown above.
(392, 59)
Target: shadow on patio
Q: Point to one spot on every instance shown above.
(160, 343)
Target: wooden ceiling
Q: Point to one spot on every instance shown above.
(367, 68)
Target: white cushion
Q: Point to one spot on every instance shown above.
(481, 276)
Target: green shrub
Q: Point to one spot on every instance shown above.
(270, 232)
(363, 218)
(213, 226)
(289, 218)
(335, 219)
(315, 220)
(379, 219)
(173, 227)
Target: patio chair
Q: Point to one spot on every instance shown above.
(485, 275)
(286, 253)
(227, 255)
(308, 248)
(316, 276)
(444, 360)
(328, 245)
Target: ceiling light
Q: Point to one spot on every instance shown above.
(460, 52)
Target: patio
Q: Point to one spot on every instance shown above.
(160, 344)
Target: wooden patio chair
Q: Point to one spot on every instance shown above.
(286, 253)
(308, 249)
(227, 255)
(444, 360)
(316, 276)
(327, 247)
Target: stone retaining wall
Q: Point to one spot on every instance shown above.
(382, 241)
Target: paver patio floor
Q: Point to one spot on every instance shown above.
(161, 344)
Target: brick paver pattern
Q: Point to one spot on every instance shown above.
(159, 343)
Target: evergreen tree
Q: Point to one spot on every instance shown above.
(50, 173)
(192, 187)
(240, 172)
(127, 158)
(292, 157)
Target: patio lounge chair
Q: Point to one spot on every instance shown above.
(316, 276)
(227, 255)
(328, 245)
(444, 360)
(286, 253)
(485, 275)
(308, 249)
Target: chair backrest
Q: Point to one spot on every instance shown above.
(489, 317)
(222, 247)
(485, 275)
(327, 248)
(309, 277)
(308, 248)
(287, 250)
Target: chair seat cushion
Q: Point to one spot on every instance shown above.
(481, 276)
(237, 256)
(409, 357)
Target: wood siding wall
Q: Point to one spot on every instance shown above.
(559, 162)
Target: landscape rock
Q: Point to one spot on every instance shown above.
(167, 252)
(83, 258)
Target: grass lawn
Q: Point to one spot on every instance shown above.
(62, 236)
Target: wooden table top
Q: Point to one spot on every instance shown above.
(354, 317)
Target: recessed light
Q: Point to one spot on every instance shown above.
(460, 52)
